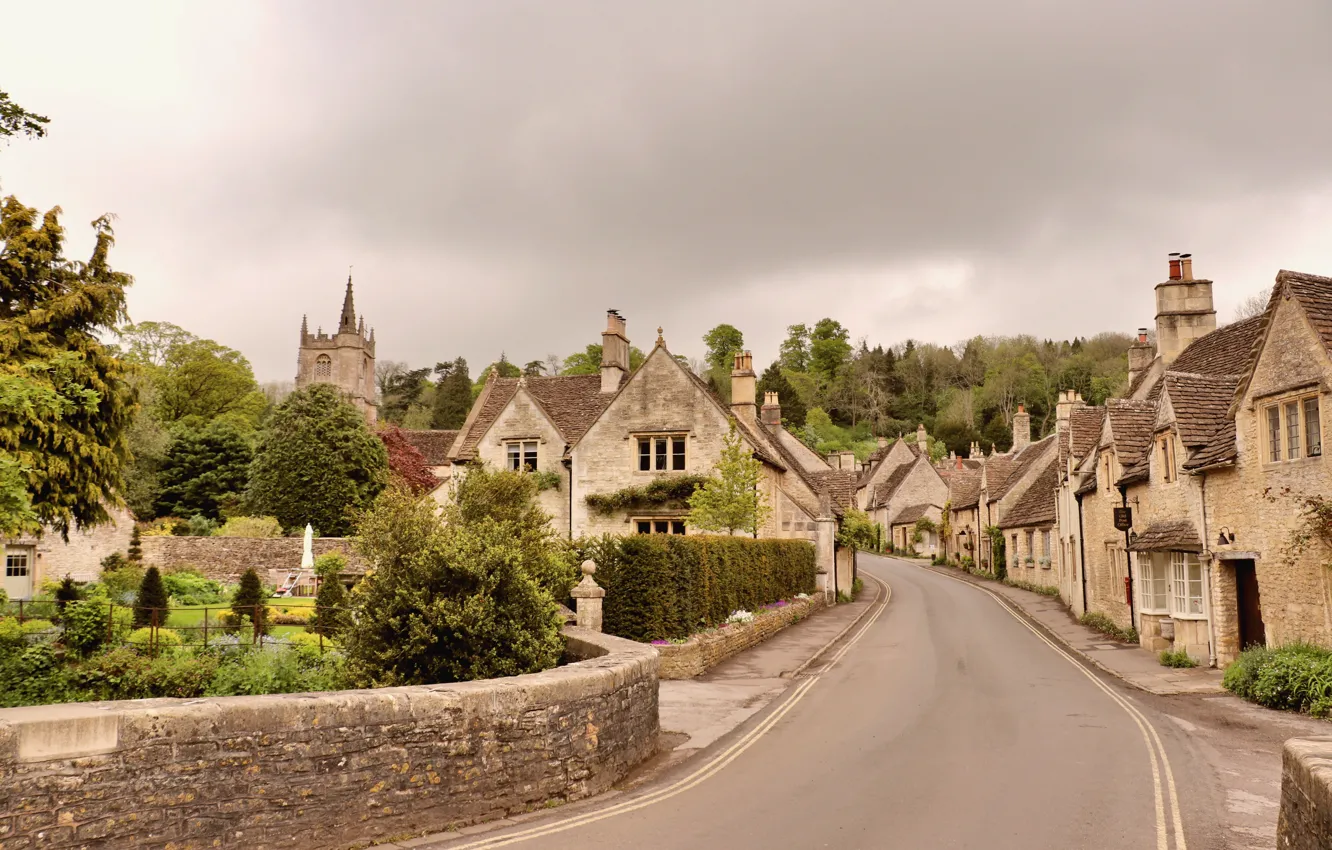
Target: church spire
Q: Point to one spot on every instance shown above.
(348, 323)
(305, 327)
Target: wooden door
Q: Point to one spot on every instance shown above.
(1247, 601)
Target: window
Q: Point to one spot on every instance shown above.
(660, 526)
(661, 454)
(1015, 551)
(1045, 544)
(16, 565)
(521, 455)
(1186, 595)
(1284, 430)
(1167, 459)
(1153, 582)
(1031, 545)
(323, 370)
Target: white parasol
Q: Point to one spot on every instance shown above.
(307, 553)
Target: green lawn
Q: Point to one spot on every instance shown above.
(191, 617)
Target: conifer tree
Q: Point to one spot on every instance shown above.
(152, 599)
(731, 500)
(135, 546)
(331, 614)
(249, 603)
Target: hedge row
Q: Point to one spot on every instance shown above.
(661, 586)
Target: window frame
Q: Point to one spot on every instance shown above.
(521, 455)
(674, 525)
(1153, 579)
(1287, 424)
(661, 451)
(12, 567)
(323, 368)
(1183, 566)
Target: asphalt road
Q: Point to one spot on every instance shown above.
(944, 722)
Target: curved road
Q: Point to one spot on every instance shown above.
(943, 722)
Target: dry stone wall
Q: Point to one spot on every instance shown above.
(325, 770)
(226, 558)
(702, 652)
(1305, 821)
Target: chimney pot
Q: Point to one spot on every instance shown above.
(1142, 334)
(1186, 266)
(1174, 266)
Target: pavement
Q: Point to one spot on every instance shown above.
(1129, 662)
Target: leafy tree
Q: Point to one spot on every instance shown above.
(453, 395)
(203, 381)
(148, 442)
(331, 616)
(731, 500)
(774, 380)
(446, 601)
(203, 470)
(794, 350)
(151, 343)
(316, 462)
(829, 349)
(401, 391)
(151, 604)
(17, 121)
(249, 602)
(406, 463)
(65, 404)
(588, 361)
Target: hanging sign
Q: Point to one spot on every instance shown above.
(1123, 518)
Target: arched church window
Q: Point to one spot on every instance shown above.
(323, 370)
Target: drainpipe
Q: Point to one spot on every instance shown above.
(568, 464)
(1082, 555)
(1128, 561)
(1211, 622)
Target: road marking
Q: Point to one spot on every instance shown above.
(718, 762)
(1155, 749)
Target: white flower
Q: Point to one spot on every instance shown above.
(741, 616)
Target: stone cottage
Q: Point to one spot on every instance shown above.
(31, 561)
(899, 488)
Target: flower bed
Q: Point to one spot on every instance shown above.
(705, 650)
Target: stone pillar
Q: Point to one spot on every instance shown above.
(825, 552)
(587, 595)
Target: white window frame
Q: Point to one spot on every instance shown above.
(517, 453)
(1290, 441)
(667, 452)
(673, 525)
(1184, 604)
(1153, 579)
(12, 565)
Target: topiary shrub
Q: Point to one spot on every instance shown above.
(151, 605)
(331, 614)
(66, 592)
(249, 602)
(154, 641)
(135, 553)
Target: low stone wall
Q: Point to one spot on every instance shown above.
(704, 651)
(226, 558)
(1305, 822)
(326, 770)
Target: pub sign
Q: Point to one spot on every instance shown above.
(1123, 518)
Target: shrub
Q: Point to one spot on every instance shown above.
(1176, 658)
(1054, 591)
(309, 645)
(121, 578)
(673, 490)
(36, 627)
(1295, 677)
(1105, 625)
(187, 586)
(277, 670)
(250, 602)
(449, 601)
(250, 526)
(152, 606)
(135, 553)
(858, 531)
(290, 615)
(162, 527)
(12, 639)
(124, 673)
(66, 592)
(155, 641)
(86, 624)
(331, 615)
(660, 587)
(33, 676)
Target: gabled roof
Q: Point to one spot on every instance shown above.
(911, 514)
(964, 488)
(1201, 403)
(1023, 461)
(880, 454)
(1224, 351)
(1131, 424)
(1037, 505)
(571, 403)
(433, 445)
(1088, 485)
(1177, 534)
(888, 486)
(840, 485)
(1314, 294)
(998, 468)
(1085, 429)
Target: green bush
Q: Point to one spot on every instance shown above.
(1295, 677)
(121, 580)
(124, 673)
(32, 676)
(188, 586)
(249, 602)
(155, 641)
(331, 615)
(86, 624)
(151, 605)
(66, 592)
(660, 587)
(1177, 658)
(277, 670)
(250, 526)
(309, 644)
(1105, 625)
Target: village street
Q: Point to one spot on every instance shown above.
(950, 723)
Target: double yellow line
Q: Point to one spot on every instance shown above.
(707, 771)
(1156, 752)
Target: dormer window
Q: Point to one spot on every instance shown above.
(1167, 454)
(663, 453)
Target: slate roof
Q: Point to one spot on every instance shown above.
(1224, 351)
(888, 486)
(1088, 485)
(1022, 462)
(1219, 451)
(841, 486)
(909, 515)
(1085, 429)
(1037, 505)
(998, 468)
(433, 445)
(1315, 295)
(1131, 424)
(964, 488)
(1176, 534)
(1201, 403)
(571, 402)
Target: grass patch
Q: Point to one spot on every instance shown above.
(1177, 658)
(1294, 677)
(1034, 588)
(1107, 627)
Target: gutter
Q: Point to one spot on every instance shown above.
(1082, 554)
(1128, 562)
(1211, 621)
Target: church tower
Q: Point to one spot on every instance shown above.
(345, 359)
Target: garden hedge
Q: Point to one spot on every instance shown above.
(661, 586)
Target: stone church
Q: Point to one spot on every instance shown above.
(345, 359)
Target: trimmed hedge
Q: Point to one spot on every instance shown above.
(660, 586)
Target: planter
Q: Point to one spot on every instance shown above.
(1168, 629)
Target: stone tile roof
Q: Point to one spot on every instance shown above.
(1085, 429)
(1178, 534)
(1022, 462)
(964, 488)
(1088, 485)
(910, 515)
(1315, 295)
(1220, 450)
(433, 445)
(1224, 351)
(998, 468)
(840, 485)
(1131, 424)
(887, 487)
(1037, 505)
(571, 402)
(876, 459)
(1137, 382)
(1201, 403)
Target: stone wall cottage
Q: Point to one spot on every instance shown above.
(30, 561)
(345, 359)
(964, 486)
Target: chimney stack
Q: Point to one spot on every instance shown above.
(1184, 309)
(743, 388)
(614, 352)
(1186, 266)
(1140, 356)
(1021, 429)
(772, 411)
(1175, 273)
(1068, 399)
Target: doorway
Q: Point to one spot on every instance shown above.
(18, 572)
(1249, 606)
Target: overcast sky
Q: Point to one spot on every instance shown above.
(500, 173)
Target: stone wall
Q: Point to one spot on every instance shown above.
(326, 770)
(81, 557)
(226, 558)
(701, 653)
(1305, 821)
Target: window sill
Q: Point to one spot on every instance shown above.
(1277, 466)
(1194, 617)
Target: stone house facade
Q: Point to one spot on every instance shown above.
(899, 488)
(31, 561)
(345, 359)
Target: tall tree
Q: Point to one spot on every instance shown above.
(203, 470)
(773, 380)
(829, 348)
(65, 403)
(534, 368)
(453, 394)
(17, 121)
(402, 391)
(794, 354)
(731, 500)
(722, 344)
(316, 463)
(588, 361)
(195, 380)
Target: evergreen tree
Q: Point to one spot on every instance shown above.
(204, 470)
(401, 392)
(316, 463)
(453, 395)
(66, 592)
(249, 602)
(135, 546)
(731, 500)
(331, 615)
(17, 121)
(773, 380)
(67, 404)
(152, 600)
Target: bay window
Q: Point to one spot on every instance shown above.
(1186, 584)
(1154, 582)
